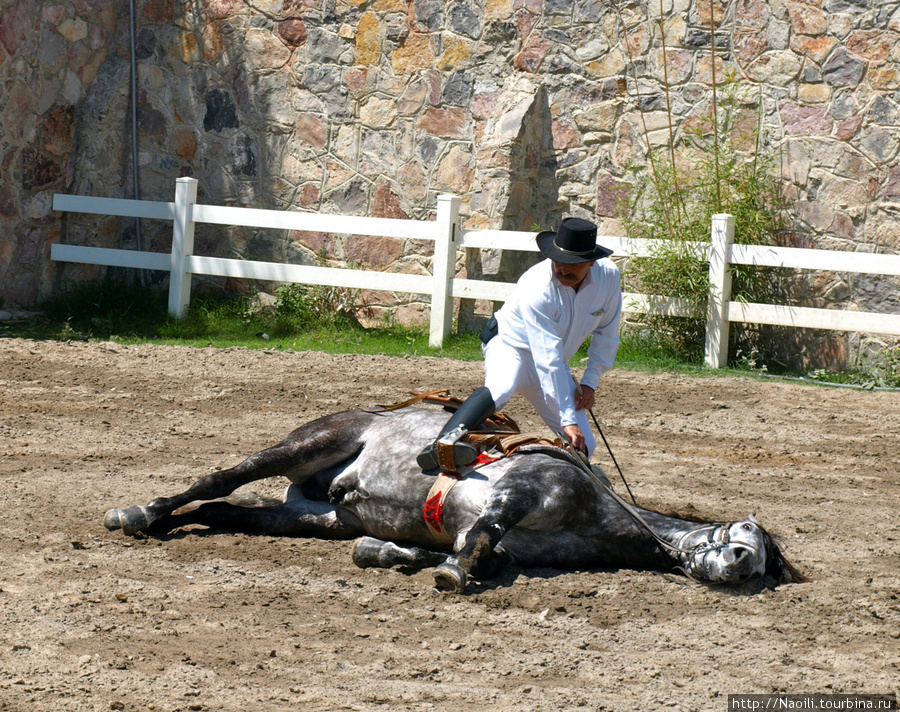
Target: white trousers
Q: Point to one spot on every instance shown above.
(508, 370)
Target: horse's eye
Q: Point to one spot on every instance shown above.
(748, 527)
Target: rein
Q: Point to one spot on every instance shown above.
(582, 462)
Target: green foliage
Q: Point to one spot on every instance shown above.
(719, 166)
(222, 316)
(128, 315)
(299, 307)
(639, 351)
(889, 366)
(881, 372)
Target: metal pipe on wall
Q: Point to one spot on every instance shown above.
(134, 138)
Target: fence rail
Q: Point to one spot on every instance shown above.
(721, 252)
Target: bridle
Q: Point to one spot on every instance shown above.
(719, 537)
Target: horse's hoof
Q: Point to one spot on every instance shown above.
(111, 520)
(367, 552)
(449, 577)
(131, 520)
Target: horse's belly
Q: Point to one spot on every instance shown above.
(391, 508)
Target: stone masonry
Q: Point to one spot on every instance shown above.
(527, 109)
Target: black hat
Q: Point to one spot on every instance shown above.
(574, 242)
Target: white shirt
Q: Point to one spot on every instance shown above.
(551, 321)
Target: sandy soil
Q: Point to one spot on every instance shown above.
(92, 620)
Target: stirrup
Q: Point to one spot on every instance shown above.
(448, 453)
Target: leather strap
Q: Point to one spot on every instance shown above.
(501, 437)
(497, 421)
(439, 396)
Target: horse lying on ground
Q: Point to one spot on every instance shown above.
(354, 474)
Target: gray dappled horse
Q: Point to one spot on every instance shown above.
(354, 474)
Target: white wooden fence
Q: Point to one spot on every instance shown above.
(443, 287)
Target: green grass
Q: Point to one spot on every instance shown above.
(637, 352)
(130, 315)
(307, 319)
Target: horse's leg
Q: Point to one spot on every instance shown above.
(313, 447)
(267, 463)
(506, 506)
(296, 516)
(375, 553)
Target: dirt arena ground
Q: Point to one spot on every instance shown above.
(92, 620)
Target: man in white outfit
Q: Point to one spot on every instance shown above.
(575, 293)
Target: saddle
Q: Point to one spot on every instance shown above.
(499, 438)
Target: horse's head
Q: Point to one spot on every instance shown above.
(734, 552)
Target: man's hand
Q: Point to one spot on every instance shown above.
(576, 437)
(584, 397)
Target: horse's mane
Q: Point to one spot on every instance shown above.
(687, 517)
(777, 566)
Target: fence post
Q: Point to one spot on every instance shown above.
(717, 324)
(182, 246)
(444, 268)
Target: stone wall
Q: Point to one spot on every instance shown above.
(51, 54)
(527, 109)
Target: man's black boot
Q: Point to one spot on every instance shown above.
(448, 452)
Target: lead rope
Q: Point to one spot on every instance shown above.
(609, 450)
